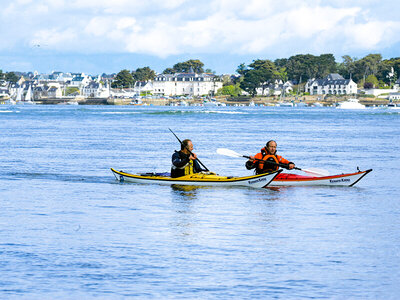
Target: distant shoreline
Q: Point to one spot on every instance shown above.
(262, 101)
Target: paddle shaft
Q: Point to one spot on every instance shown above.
(271, 162)
(188, 150)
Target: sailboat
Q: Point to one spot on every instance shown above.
(28, 97)
(18, 97)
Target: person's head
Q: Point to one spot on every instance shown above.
(271, 147)
(186, 144)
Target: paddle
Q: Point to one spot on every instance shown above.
(311, 171)
(189, 150)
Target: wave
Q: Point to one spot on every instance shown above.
(119, 113)
(226, 112)
(193, 112)
(9, 111)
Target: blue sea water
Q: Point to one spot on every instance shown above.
(68, 230)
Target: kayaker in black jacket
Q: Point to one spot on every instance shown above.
(184, 162)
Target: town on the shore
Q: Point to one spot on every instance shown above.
(297, 80)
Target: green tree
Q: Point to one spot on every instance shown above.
(123, 79)
(252, 81)
(368, 65)
(347, 67)
(11, 77)
(194, 65)
(325, 64)
(372, 80)
(70, 90)
(282, 74)
(388, 70)
(241, 69)
(301, 66)
(307, 66)
(232, 90)
(169, 71)
(260, 72)
(209, 71)
(281, 62)
(143, 74)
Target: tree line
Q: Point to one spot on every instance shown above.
(369, 71)
(8, 76)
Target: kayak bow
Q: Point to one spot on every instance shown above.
(199, 179)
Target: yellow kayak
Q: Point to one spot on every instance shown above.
(199, 179)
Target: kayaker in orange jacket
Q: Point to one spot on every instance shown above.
(267, 160)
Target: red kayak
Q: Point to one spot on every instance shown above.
(350, 179)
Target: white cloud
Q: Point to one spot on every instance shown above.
(371, 35)
(172, 27)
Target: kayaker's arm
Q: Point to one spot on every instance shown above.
(287, 166)
(251, 164)
(198, 168)
(179, 160)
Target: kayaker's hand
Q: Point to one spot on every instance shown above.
(193, 156)
(291, 166)
(251, 158)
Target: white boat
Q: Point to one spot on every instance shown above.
(284, 104)
(393, 105)
(212, 103)
(301, 104)
(317, 104)
(198, 179)
(351, 103)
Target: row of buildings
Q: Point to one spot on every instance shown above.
(335, 84)
(60, 84)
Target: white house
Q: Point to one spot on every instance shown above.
(394, 96)
(191, 84)
(397, 85)
(333, 84)
(378, 92)
(95, 90)
(4, 92)
(54, 92)
(143, 87)
(79, 80)
(276, 88)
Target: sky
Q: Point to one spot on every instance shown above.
(103, 36)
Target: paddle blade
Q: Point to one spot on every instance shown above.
(316, 172)
(228, 152)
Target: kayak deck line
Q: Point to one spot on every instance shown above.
(349, 179)
(258, 181)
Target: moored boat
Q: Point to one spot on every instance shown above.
(351, 104)
(350, 179)
(198, 179)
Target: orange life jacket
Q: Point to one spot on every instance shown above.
(263, 155)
